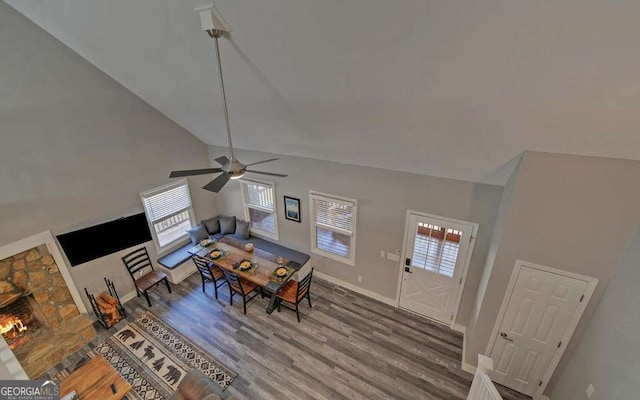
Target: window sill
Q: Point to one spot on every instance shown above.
(348, 261)
(171, 246)
(264, 235)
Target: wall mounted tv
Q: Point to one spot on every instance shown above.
(100, 240)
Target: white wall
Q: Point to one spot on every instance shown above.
(608, 353)
(77, 148)
(436, 87)
(383, 199)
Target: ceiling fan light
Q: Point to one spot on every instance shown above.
(237, 175)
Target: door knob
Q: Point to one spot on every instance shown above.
(505, 337)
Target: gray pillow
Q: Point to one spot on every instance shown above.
(227, 224)
(197, 234)
(242, 229)
(212, 225)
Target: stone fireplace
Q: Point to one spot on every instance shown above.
(39, 317)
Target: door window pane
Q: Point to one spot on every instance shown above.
(436, 248)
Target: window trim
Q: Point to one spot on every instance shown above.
(351, 260)
(246, 206)
(192, 218)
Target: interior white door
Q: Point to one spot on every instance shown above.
(435, 256)
(537, 316)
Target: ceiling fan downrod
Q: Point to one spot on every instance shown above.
(215, 34)
(230, 168)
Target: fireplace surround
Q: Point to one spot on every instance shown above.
(37, 290)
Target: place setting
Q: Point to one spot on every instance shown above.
(246, 267)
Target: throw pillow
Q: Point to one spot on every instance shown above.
(197, 234)
(212, 225)
(242, 229)
(227, 224)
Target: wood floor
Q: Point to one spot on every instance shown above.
(346, 347)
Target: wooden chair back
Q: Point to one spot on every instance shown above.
(203, 267)
(233, 280)
(304, 285)
(137, 262)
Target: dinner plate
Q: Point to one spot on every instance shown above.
(281, 272)
(245, 265)
(219, 254)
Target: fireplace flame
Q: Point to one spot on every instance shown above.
(11, 324)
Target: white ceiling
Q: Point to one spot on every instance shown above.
(450, 88)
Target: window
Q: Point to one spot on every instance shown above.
(333, 227)
(436, 248)
(169, 212)
(260, 207)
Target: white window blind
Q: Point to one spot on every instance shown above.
(333, 226)
(166, 203)
(259, 194)
(169, 212)
(260, 207)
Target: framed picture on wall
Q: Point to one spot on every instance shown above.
(292, 209)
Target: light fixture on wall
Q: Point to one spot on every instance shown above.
(213, 23)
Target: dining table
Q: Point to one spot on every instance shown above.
(262, 272)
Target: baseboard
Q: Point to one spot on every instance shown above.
(468, 368)
(357, 289)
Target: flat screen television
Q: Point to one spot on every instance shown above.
(100, 240)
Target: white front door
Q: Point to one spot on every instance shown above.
(538, 313)
(436, 255)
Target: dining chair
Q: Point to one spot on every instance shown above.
(139, 263)
(241, 287)
(209, 273)
(294, 292)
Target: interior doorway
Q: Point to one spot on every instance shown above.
(539, 313)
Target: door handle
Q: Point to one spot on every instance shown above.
(505, 337)
(407, 269)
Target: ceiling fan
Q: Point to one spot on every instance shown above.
(231, 168)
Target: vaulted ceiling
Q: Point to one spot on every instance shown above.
(450, 88)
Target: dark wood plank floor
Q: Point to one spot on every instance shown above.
(346, 347)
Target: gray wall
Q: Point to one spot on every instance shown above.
(77, 148)
(496, 236)
(383, 199)
(608, 353)
(568, 212)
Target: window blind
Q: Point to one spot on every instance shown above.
(333, 213)
(259, 195)
(333, 227)
(166, 203)
(260, 207)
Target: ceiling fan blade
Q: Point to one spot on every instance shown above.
(266, 173)
(260, 162)
(222, 160)
(218, 183)
(189, 172)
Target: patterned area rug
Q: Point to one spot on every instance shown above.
(154, 358)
